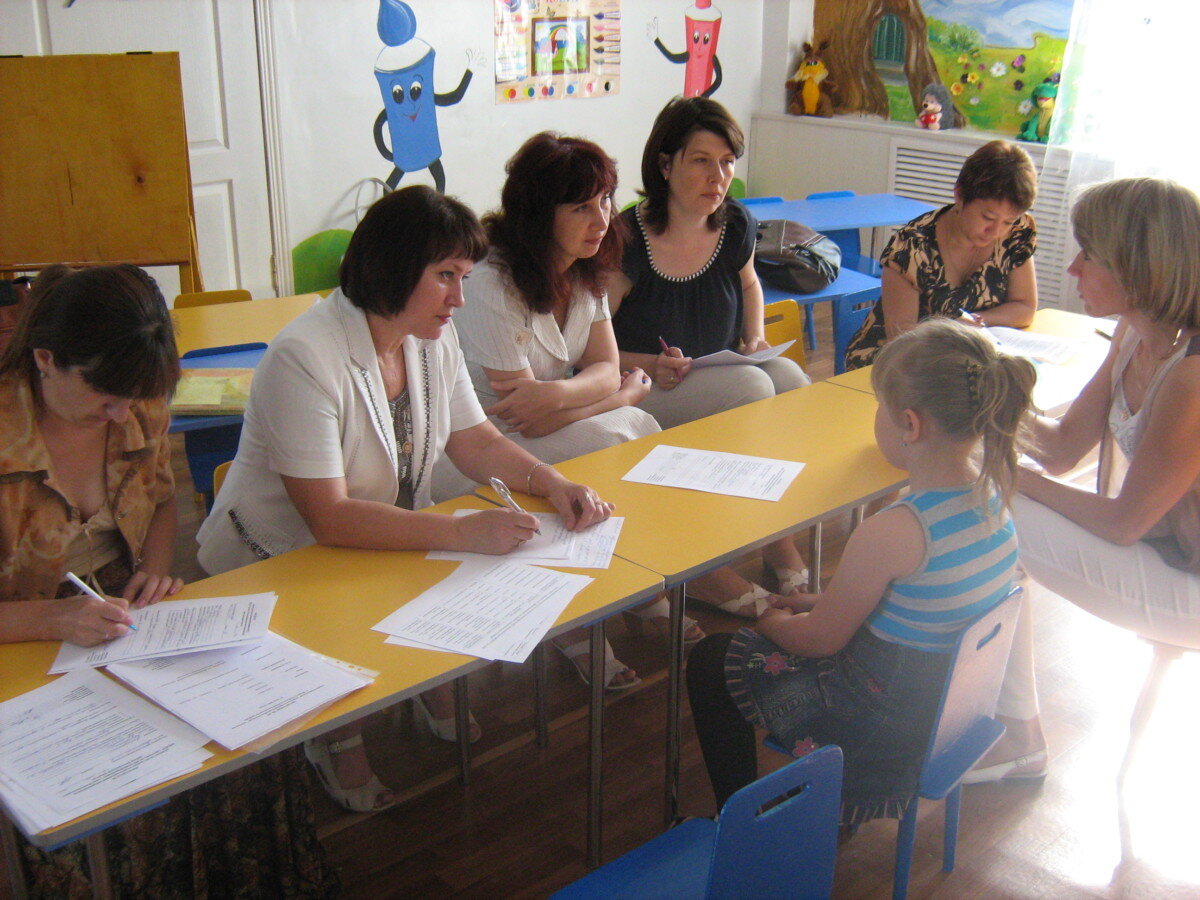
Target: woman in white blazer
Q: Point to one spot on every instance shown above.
(351, 407)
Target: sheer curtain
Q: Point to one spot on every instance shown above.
(1125, 107)
(1126, 103)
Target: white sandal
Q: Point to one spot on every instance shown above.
(757, 595)
(446, 729)
(661, 609)
(790, 581)
(612, 666)
(365, 797)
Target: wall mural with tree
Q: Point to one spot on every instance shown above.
(990, 54)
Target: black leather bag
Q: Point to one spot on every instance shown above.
(793, 257)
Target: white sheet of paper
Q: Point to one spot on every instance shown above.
(82, 742)
(240, 694)
(733, 358)
(493, 610)
(715, 472)
(1033, 345)
(589, 549)
(178, 626)
(552, 547)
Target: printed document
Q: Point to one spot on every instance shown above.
(555, 546)
(493, 610)
(178, 626)
(715, 472)
(241, 694)
(82, 742)
(733, 358)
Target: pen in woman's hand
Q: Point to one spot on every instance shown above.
(502, 489)
(82, 585)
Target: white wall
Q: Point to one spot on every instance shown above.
(328, 98)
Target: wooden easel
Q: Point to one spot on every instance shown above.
(94, 164)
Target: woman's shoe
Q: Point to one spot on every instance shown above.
(658, 614)
(445, 728)
(365, 797)
(1024, 768)
(612, 666)
(757, 595)
(788, 581)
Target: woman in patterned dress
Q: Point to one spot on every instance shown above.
(971, 260)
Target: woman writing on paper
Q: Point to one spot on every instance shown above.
(352, 407)
(536, 330)
(687, 288)
(86, 487)
(972, 259)
(1130, 552)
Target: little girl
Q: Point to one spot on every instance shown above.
(863, 663)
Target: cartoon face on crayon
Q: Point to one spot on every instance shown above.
(703, 22)
(405, 76)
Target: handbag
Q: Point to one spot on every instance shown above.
(793, 257)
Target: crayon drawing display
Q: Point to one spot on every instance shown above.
(557, 49)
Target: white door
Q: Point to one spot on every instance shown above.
(215, 40)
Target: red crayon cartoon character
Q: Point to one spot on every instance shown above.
(702, 75)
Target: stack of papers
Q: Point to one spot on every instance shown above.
(733, 358)
(555, 546)
(207, 392)
(82, 742)
(493, 610)
(181, 626)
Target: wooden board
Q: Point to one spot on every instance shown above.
(94, 163)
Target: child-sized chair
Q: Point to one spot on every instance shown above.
(776, 837)
(781, 321)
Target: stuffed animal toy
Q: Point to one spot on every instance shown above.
(1038, 128)
(808, 89)
(937, 109)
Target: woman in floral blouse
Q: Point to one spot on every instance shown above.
(971, 260)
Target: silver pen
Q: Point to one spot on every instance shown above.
(502, 489)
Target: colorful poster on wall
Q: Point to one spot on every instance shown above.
(557, 49)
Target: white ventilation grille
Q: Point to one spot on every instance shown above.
(927, 170)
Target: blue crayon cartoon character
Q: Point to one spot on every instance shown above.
(404, 70)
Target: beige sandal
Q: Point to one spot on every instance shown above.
(365, 797)
(660, 612)
(757, 595)
(612, 666)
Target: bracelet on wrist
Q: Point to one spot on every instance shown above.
(529, 477)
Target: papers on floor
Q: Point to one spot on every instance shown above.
(715, 472)
(555, 546)
(238, 695)
(493, 610)
(179, 626)
(1033, 345)
(733, 358)
(82, 742)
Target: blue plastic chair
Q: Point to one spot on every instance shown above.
(775, 838)
(848, 239)
(964, 730)
(848, 315)
(751, 201)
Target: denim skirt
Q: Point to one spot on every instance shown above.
(874, 698)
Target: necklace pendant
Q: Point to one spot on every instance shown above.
(407, 448)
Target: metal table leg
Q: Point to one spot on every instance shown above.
(98, 864)
(596, 747)
(462, 724)
(541, 724)
(674, 692)
(12, 859)
(814, 559)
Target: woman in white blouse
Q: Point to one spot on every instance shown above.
(352, 406)
(537, 333)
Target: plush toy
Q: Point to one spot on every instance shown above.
(1038, 128)
(937, 109)
(808, 89)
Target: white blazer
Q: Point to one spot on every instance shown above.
(318, 409)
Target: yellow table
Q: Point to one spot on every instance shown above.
(328, 600)
(681, 533)
(223, 324)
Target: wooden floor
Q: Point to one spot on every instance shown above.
(518, 829)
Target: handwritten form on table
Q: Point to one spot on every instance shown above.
(178, 626)
(82, 742)
(238, 695)
(715, 473)
(492, 610)
(591, 548)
